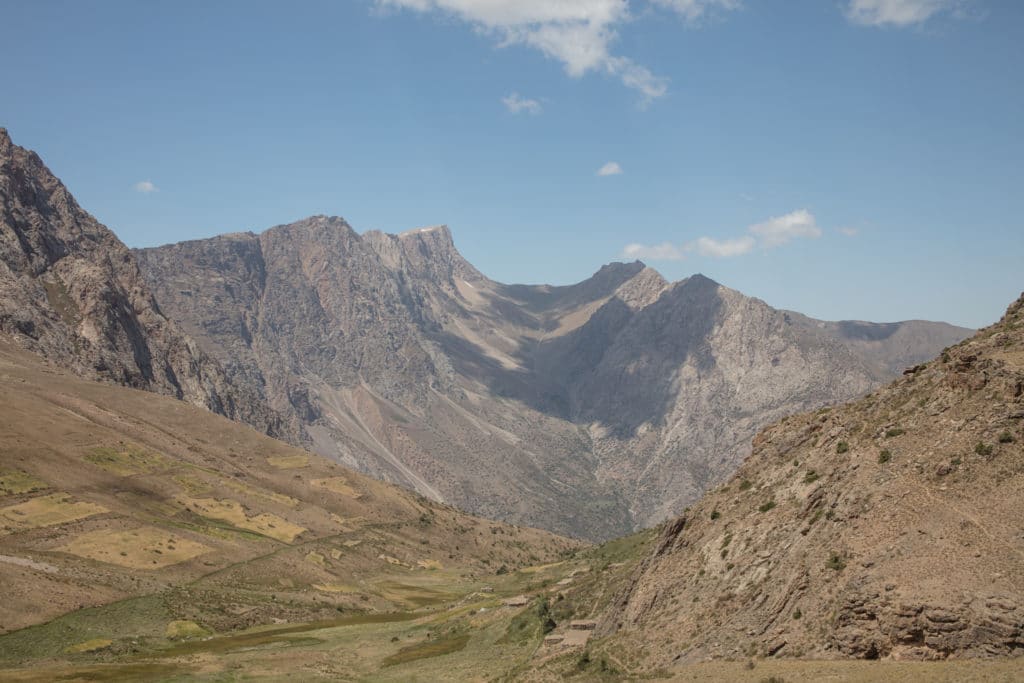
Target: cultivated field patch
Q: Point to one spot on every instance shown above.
(16, 482)
(56, 508)
(142, 548)
(125, 461)
(337, 485)
(288, 462)
(335, 587)
(191, 484)
(271, 496)
(540, 568)
(181, 629)
(233, 512)
(89, 646)
(413, 595)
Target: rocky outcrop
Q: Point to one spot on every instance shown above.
(71, 291)
(884, 528)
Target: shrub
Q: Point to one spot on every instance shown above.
(983, 449)
(745, 484)
(884, 457)
(811, 477)
(715, 514)
(1006, 437)
(767, 506)
(797, 613)
(836, 562)
(895, 431)
(842, 447)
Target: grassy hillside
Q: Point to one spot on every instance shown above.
(134, 523)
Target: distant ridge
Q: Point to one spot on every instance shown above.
(590, 409)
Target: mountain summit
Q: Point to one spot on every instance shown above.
(70, 290)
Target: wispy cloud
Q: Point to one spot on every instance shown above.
(899, 12)
(695, 10)
(706, 246)
(145, 187)
(656, 252)
(772, 233)
(577, 33)
(848, 232)
(611, 168)
(777, 231)
(517, 104)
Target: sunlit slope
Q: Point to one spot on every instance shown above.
(109, 493)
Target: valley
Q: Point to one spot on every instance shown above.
(249, 456)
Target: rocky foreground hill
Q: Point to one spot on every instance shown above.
(889, 527)
(592, 409)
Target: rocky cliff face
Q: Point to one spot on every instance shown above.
(70, 290)
(590, 409)
(887, 527)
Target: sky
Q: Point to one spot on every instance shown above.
(848, 159)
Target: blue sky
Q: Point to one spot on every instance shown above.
(843, 158)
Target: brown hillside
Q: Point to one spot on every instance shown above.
(110, 494)
(886, 528)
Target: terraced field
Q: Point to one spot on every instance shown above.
(132, 524)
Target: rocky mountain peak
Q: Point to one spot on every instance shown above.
(428, 252)
(71, 291)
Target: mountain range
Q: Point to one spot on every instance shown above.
(591, 410)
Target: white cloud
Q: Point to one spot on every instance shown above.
(848, 232)
(897, 12)
(145, 187)
(781, 229)
(658, 252)
(577, 33)
(693, 10)
(516, 104)
(706, 246)
(772, 233)
(611, 168)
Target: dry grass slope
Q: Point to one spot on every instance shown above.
(889, 527)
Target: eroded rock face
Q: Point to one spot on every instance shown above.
(873, 626)
(886, 527)
(70, 290)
